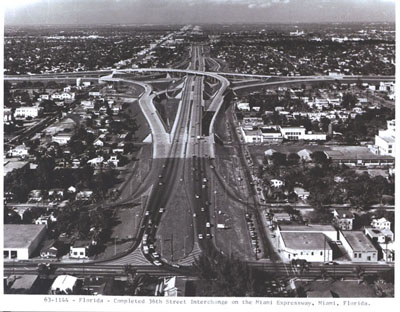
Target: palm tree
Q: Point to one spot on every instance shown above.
(324, 273)
(359, 271)
(130, 272)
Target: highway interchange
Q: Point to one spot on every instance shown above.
(183, 162)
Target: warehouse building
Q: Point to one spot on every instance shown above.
(358, 246)
(21, 240)
(308, 242)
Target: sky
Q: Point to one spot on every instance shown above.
(28, 12)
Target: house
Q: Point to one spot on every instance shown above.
(19, 151)
(305, 155)
(98, 142)
(22, 240)
(87, 105)
(380, 224)
(71, 189)
(243, 106)
(79, 249)
(84, 195)
(96, 162)
(63, 285)
(113, 160)
(56, 192)
(379, 236)
(45, 220)
(343, 219)
(28, 111)
(358, 246)
(276, 183)
(301, 193)
(269, 152)
(62, 138)
(50, 249)
(35, 195)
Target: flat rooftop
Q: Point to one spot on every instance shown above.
(353, 152)
(306, 228)
(358, 241)
(305, 241)
(21, 235)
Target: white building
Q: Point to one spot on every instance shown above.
(243, 106)
(63, 285)
(385, 140)
(380, 224)
(358, 246)
(312, 247)
(276, 183)
(79, 250)
(21, 240)
(63, 96)
(27, 111)
(19, 151)
(62, 138)
(299, 133)
(380, 236)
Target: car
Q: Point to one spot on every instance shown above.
(157, 263)
(145, 236)
(151, 246)
(176, 266)
(194, 215)
(147, 213)
(155, 255)
(202, 209)
(160, 183)
(203, 186)
(208, 235)
(160, 176)
(204, 180)
(145, 249)
(208, 224)
(200, 236)
(331, 263)
(197, 196)
(161, 210)
(338, 242)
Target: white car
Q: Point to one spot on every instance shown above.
(157, 263)
(197, 196)
(208, 224)
(155, 255)
(145, 249)
(200, 236)
(202, 209)
(161, 210)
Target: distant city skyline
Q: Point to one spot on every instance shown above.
(67, 12)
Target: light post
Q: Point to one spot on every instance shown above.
(115, 244)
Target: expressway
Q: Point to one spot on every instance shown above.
(182, 163)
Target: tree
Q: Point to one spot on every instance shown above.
(227, 276)
(293, 159)
(278, 159)
(319, 157)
